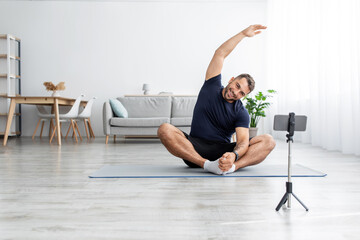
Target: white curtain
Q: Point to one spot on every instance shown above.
(313, 62)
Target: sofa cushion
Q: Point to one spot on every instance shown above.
(182, 121)
(183, 106)
(147, 107)
(138, 122)
(118, 108)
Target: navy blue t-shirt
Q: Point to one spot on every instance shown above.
(214, 118)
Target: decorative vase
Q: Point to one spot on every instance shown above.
(55, 94)
(253, 132)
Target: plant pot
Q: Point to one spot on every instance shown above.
(55, 94)
(252, 132)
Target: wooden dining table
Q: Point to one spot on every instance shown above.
(55, 102)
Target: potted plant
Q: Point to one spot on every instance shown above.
(55, 88)
(256, 107)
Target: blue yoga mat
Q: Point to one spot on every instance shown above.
(176, 171)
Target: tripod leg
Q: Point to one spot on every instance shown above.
(300, 202)
(282, 201)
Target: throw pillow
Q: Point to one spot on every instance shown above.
(118, 108)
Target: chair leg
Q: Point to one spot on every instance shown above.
(73, 134)
(54, 126)
(53, 134)
(33, 136)
(67, 133)
(51, 127)
(60, 131)
(114, 138)
(106, 139)
(73, 127)
(90, 127)
(86, 130)
(77, 128)
(42, 127)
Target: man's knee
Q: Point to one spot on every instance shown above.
(161, 130)
(164, 130)
(269, 142)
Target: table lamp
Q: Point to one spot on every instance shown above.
(146, 88)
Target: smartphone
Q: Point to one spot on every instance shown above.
(281, 122)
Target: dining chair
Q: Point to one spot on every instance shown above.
(85, 117)
(69, 117)
(43, 117)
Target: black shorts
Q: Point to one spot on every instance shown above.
(208, 149)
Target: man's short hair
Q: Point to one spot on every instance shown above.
(249, 79)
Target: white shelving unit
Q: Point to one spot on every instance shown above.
(10, 81)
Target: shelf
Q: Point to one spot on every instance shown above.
(5, 114)
(4, 36)
(16, 133)
(11, 57)
(4, 95)
(13, 76)
(10, 79)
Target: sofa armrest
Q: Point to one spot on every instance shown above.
(107, 115)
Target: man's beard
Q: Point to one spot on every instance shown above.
(227, 90)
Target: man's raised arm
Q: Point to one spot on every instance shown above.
(227, 47)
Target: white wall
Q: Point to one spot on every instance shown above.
(108, 49)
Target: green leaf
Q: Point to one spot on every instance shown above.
(266, 104)
(257, 105)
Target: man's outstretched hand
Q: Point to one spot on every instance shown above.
(253, 30)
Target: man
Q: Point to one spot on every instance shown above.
(219, 113)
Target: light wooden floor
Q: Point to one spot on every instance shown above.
(45, 193)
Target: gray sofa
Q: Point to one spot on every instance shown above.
(146, 114)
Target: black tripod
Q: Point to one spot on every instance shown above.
(287, 195)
